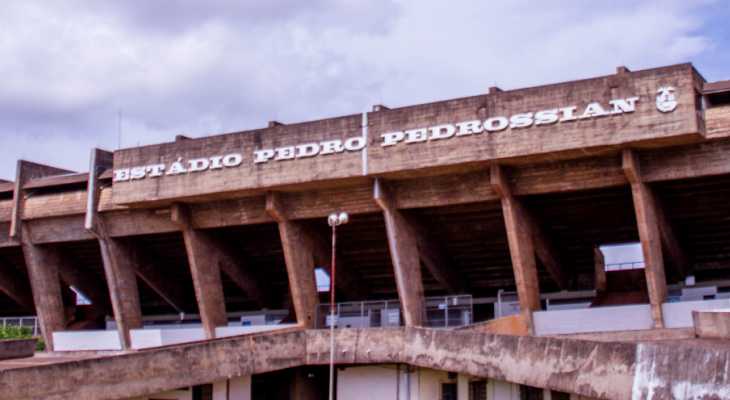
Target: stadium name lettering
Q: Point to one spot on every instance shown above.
(665, 103)
(235, 159)
(516, 121)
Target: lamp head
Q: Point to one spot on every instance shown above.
(336, 220)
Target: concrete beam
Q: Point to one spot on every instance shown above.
(156, 275)
(434, 257)
(647, 218)
(116, 255)
(300, 262)
(542, 242)
(42, 263)
(205, 271)
(75, 274)
(619, 370)
(347, 281)
(599, 267)
(404, 254)
(42, 266)
(241, 272)
(25, 172)
(519, 235)
(16, 286)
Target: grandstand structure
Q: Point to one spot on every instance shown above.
(471, 267)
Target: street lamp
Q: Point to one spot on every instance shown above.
(334, 221)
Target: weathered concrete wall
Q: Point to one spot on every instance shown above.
(681, 369)
(588, 368)
(357, 346)
(682, 372)
(712, 325)
(158, 370)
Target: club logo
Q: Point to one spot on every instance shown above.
(665, 100)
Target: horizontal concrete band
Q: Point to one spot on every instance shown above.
(596, 369)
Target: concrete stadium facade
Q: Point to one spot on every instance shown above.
(500, 203)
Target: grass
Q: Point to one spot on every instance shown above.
(20, 332)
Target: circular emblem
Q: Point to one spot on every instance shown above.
(665, 100)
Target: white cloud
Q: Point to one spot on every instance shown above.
(202, 68)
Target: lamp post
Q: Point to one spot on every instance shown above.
(334, 220)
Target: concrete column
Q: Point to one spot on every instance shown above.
(42, 263)
(122, 281)
(404, 253)
(43, 272)
(647, 219)
(300, 263)
(521, 248)
(205, 271)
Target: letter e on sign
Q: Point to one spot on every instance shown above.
(121, 175)
(307, 150)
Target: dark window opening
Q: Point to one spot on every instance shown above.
(478, 390)
(530, 393)
(718, 99)
(559, 395)
(448, 391)
(203, 392)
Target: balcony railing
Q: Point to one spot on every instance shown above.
(28, 322)
(436, 312)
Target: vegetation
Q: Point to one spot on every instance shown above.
(19, 332)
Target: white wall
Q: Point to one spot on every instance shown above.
(172, 394)
(502, 390)
(367, 383)
(220, 390)
(376, 382)
(240, 388)
(679, 315)
(86, 341)
(620, 318)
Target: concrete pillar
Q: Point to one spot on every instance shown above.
(205, 271)
(521, 248)
(121, 278)
(299, 258)
(647, 219)
(43, 273)
(404, 253)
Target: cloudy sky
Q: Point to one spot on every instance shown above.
(207, 67)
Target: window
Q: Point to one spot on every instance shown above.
(203, 392)
(623, 257)
(448, 391)
(478, 390)
(322, 278)
(80, 299)
(559, 395)
(530, 393)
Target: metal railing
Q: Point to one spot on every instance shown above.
(29, 322)
(436, 312)
(447, 312)
(625, 266)
(360, 314)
